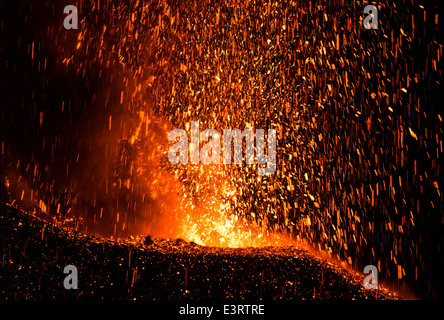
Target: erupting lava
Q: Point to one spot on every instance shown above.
(356, 112)
(196, 199)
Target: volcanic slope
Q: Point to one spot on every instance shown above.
(34, 253)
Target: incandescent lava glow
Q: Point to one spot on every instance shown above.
(197, 199)
(214, 225)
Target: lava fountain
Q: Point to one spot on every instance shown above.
(356, 113)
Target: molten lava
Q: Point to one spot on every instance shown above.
(196, 200)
